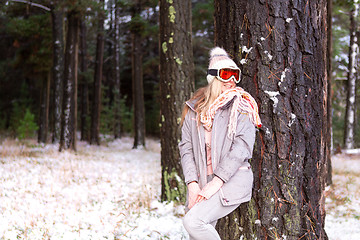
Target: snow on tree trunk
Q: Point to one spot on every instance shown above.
(57, 17)
(69, 113)
(96, 106)
(351, 81)
(176, 86)
(137, 77)
(281, 48)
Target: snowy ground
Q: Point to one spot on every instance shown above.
(112, 192)
(342, 220)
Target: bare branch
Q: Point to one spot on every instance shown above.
(32, 4)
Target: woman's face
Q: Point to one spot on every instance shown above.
(228, 85)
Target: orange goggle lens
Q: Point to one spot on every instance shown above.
(225, 74)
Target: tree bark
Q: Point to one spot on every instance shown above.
(137, 77)
(329, 140)
(117, 87)
(69, 113)
(83, 83)
(351, 81)
(281, 48)
(44, 110)
(176, 86)
(57, 17)
(96, 106)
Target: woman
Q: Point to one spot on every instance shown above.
(218, 134)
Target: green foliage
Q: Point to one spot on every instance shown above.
(33, 41)
(126, 116)
(137, 25)
(202, 18)
(203, 37)
(27, 126)
(340, 60)
(107, 117)
(16, 115)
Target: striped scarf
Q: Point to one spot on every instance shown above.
(243, 102)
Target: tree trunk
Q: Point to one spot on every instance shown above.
(357, 95)
(69, 113)
(351, 88)
(83, 83)
(329, 140)
(57, 17)
(96, 106)
(176, 86)
(117, 87)
(281, 48)
(137, 78)
(44, 110)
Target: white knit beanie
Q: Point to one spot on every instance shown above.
(219, 59)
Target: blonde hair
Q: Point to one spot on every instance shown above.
(205, 96)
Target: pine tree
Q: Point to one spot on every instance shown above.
(176, 86)
(96, 106)
(137, 28)
(281, 49)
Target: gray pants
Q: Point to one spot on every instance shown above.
(201, 219)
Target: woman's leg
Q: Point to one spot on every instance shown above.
(200, 221)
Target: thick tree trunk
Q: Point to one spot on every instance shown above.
(176, 86)
(57, 17)
(83, 83)
(329, 140)
(281, 48)
(117, 87)
(351, 87)
(357, 95)
(96, 106)
(69, 113)
(44, 110)
(137, 78)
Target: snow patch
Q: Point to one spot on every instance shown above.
(245, 49)
(273, 96)
(243, 61)
(268, 55)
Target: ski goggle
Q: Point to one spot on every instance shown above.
(225, 74)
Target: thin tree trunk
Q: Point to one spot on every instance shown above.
(137, 79)
(117, 87)
(57, 17)
(96, 106)
(69, 113)
(176, 86)
(277, 47)
(44, 110)
(350, 97)
(83, 83)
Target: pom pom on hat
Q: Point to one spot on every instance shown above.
(219, 59)
(218, 52)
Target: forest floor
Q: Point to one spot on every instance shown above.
(112, 192)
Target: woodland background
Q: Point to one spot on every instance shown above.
(26, 62)
(89, 70)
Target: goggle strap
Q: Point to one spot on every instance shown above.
(213, 72)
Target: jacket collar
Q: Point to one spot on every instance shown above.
(192, 102)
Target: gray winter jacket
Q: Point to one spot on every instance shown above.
(231, 155)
